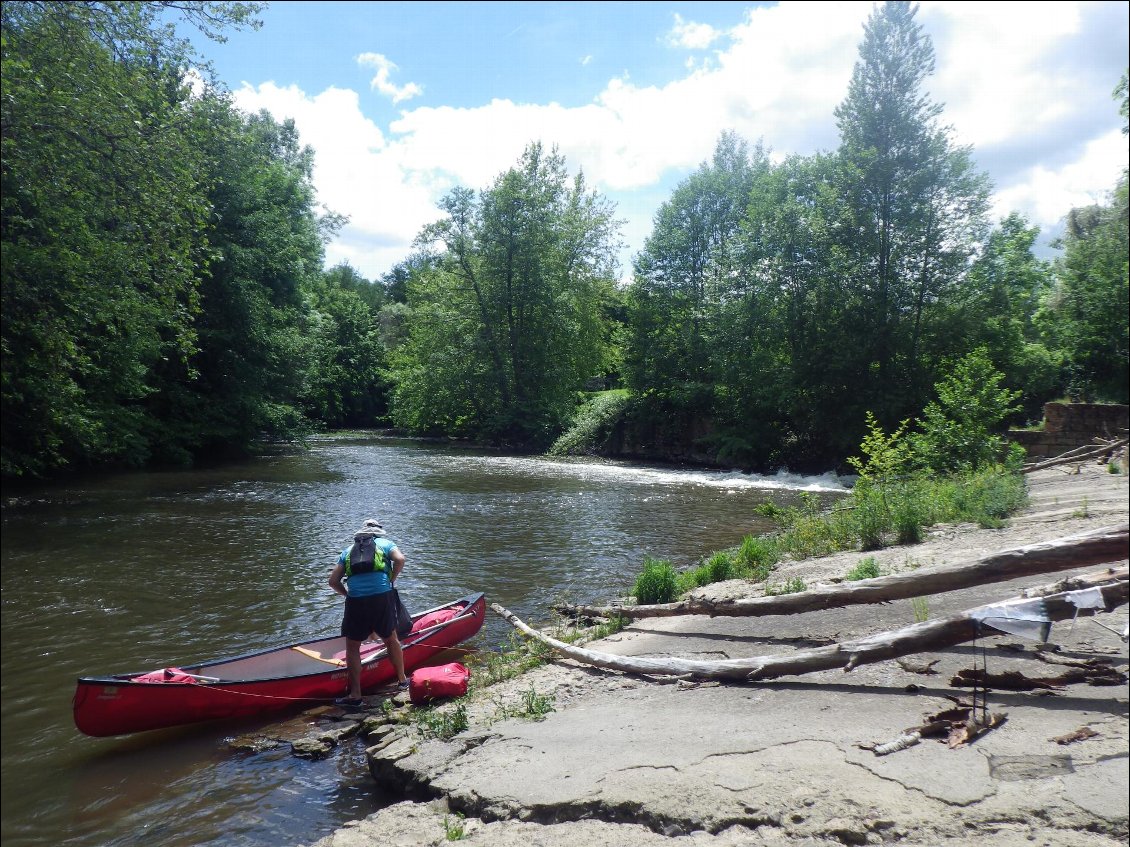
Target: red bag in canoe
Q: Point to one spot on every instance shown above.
(448, 680)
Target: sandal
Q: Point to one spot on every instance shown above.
(403, 684)
(349, 702)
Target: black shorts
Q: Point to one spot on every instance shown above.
(366, 615)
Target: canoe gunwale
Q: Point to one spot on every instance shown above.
(123, 705)
(467, 602)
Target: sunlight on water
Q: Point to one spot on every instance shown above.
(183, 566)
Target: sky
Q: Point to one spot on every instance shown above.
(402, 102)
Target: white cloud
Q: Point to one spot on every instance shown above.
(1045, 195)
(357, 173)
(381, 81)
(1020, 83)
(691, 35)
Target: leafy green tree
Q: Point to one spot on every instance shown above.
(961, 428)
(682, 274)
(916, 208)
(1087, 313)
(790, 352)
(251, 371)
(1000, 310)
(505, 322)
(347, 383)
(103, 208)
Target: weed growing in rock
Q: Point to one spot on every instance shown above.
(866, 569)
(454, 831)
(441, 723)
(921, 609)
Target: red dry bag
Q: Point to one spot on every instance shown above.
(448, 680)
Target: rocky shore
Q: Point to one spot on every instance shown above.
(624, 760)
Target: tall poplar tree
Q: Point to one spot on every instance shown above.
(916, 209)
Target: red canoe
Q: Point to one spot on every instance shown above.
(272, 680)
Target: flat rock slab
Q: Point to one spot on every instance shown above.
(627, 760)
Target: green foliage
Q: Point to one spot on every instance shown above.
(757, 556)
(454, 831)
(885, 456)
(921, 608)
(592, 424)
(866, 569)
(792, 586)
(441, 722)
(657, 583)
(514, 658)
(959, 428)
(506, 317)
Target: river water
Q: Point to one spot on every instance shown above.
(134, 571)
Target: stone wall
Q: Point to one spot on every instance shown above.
(1071, 425)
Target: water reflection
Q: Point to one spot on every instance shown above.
(131, 571)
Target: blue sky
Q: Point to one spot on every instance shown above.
(403, 101)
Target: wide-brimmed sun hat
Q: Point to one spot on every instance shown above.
(371, 528)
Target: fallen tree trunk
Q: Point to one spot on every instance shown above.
(1109, 544)
(1113, 590)
(1103, 450)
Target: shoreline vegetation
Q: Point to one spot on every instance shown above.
(776, 304)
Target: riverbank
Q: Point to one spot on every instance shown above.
(625, 760)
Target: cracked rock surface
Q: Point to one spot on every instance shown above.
(627, 760)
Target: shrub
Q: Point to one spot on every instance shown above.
(756, 557)
(866, 569)
(592, 424)
(658, 583)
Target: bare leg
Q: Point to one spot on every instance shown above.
(353, 667)
(395, 653)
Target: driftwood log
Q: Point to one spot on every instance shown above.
(1104, 449)
(1109, 544)
(1114, 587)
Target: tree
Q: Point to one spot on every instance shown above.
(916, 208)
(347, 383)
(252, 369)
(960, 429)
(684, 277)
(999, 310)
(1087, 315)
(103, 208)
(505, 316)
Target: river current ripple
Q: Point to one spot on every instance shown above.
(132, 571)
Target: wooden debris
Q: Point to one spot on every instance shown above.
(1102, 449)
(917, 638)
(1109, 544)
(924, 668)
(1081, 734)
(957, 727)
(907, 739)
(972, 729)
(1091, 673)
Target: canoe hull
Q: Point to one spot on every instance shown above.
(281, 678)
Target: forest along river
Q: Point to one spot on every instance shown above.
(134, 571)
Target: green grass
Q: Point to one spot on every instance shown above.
(875, 515)
(866, 569)
(793, 586)
(592, 423)
(657, 583)
(444, 724)
(454, 831)
(921, 609)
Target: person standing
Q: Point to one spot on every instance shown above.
(365, 574)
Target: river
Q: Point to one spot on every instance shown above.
(132, 571)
